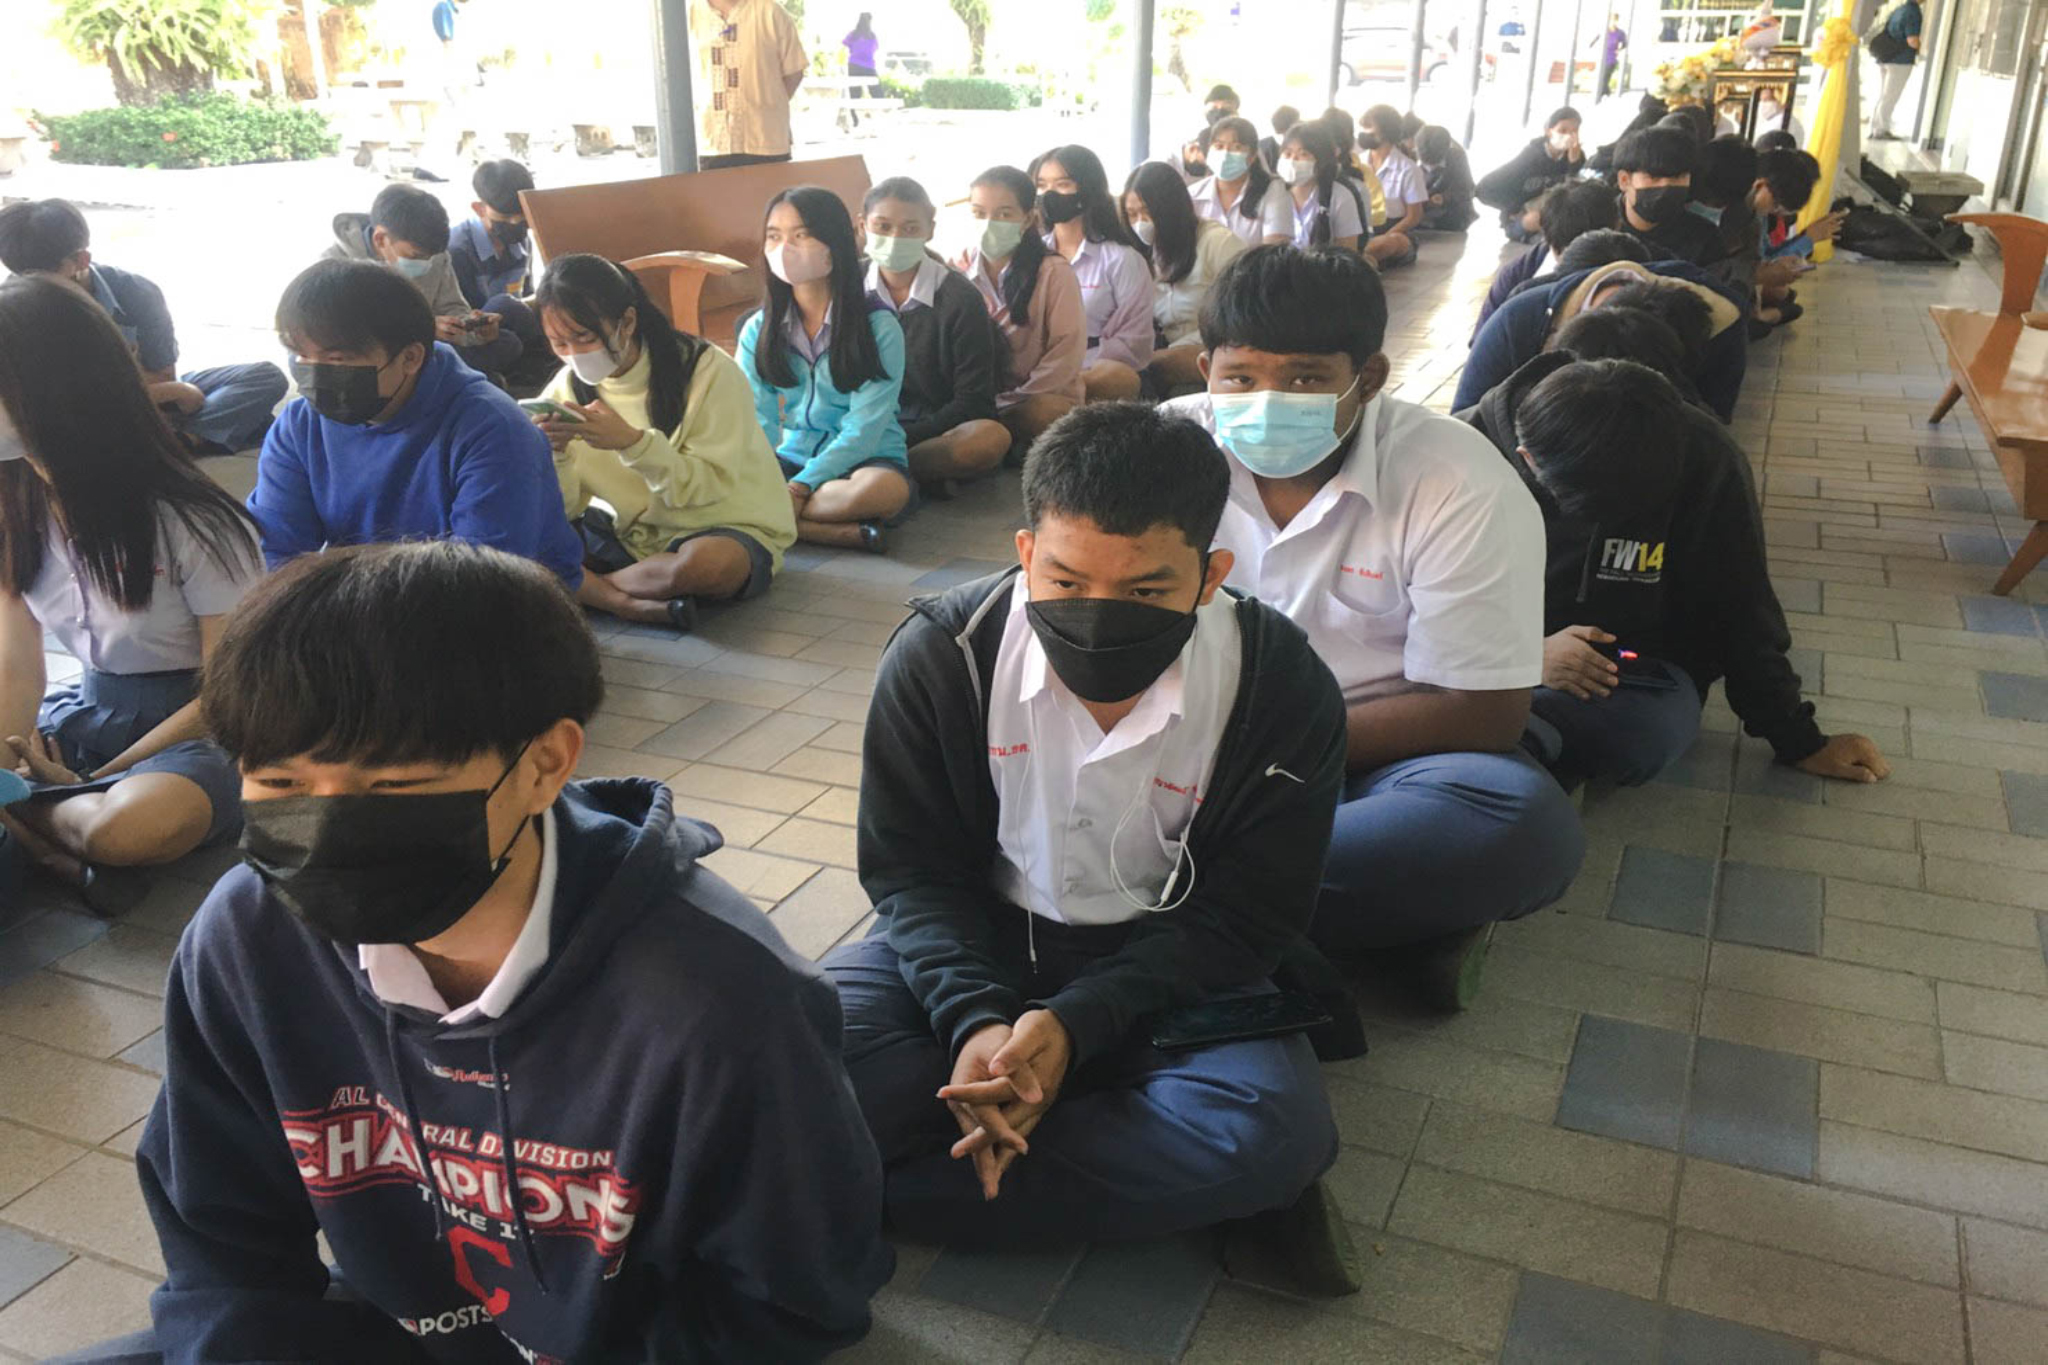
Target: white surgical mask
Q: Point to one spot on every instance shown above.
(1298, 172)
(413, 269)
(799, 263)
(1145, 230)
(593, 367)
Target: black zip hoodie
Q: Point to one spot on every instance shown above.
(928, 834)
(1693, 589)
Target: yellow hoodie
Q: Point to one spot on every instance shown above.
(715, 470)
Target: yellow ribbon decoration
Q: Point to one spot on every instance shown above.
(1833, 54)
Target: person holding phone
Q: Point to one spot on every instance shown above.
(664, 471)
(406, 231)
(1096, 789)
(1655, 549)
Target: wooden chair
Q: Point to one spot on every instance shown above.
(675, 281)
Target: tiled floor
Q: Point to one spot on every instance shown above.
(1771, 1084)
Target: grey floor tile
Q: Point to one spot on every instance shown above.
(36, 943)
(1626, 1081)
(2026, 803)
(1976, 547)
(1806, 661)
(1952, 498)
(1560, 1322)
(1797, 594)
(25, 1263)
(1769, 907)
(1944, 457)
(1999, 616)
(147, 1053)
(1017, 1285)
(1144, 1297)
(2015, 696)
(704, 729)
(1754, 1107)
(1758, 774)
(1696, 1339)
(1706, 765)
(957, 571)
(1663, 890)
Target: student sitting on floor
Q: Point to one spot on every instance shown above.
(1401, 180)
(488, 251)
(1548, 160)
(1035, 302)
(1722, 192)
(1654, 169)
(948, 406)
(695, 507)
(1785, 181)
(1448, 178)
(1096, 789)
(125, 551)
(1327, 208)
(549, 1087)
(1241, 192)
(1284, 118)
(826, 366)
(227, 408)
(1658, 582)
(1564, 213)
(1524, 325)
(394, 438)
(1414, 561)
(406, 231)
(1078, 214)
(1186, 254)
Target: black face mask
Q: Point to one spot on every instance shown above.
(376, 869)
(1196, 168)
(1057, 207)
(1108, 649)
(1661, 204)
(341, 393)
(508, 234)
(1369, 142)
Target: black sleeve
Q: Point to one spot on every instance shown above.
(927, 832)
(1503, 187)
(967, 345)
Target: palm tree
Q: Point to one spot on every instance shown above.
(975, 14)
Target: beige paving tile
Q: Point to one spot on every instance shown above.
(1550, 1160)
(1986, 846)
(822, 765)
(762, 791)
(1242, 1324)
(1364, 1184)
(94, 1203)
(758, 874)
(733, 687)
(1818, 981)
(1661, 815)
(823, 912)
(1803, 1297)
(69, 1095)
(2006, 1262)
(741, 826)
(1830, 1225)
(1928, 913)
(1964, 661)
(1916, 779)
(1815, 1031)
(616, 730)
(845, 653)
(2007, 1334)
(1931, 1173)
(830, 705)
(1827, 857)
(838, 805)
(1579, 1242)
(1609, 942)
(127, 1140)
(1618, 992)
(1495, 1020)
(844, 737)
(2001, 1014)
(642, 703)
(84, 1303)
(131, 958)
(599, 761)
(1821, 822)
(2006, 885)
(1996, 1064)
(1375, 1117)
(1489, 1080)
(1952, 959)
(27, 1158)
(812, 840)
(77, 1016)
(769, 741)
(1940, 1113)
(1930, 719)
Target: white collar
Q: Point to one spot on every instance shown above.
(398, 978)
(924, 288)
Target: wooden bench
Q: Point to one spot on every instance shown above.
(716, 214)
(2000, 364)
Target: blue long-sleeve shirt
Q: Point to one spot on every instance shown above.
(819, 431)
(458, 461)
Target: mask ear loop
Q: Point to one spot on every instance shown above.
(1179, 848)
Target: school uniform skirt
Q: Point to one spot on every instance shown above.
(95, 719)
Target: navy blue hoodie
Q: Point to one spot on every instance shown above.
(696, 1180)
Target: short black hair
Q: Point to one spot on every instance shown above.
(1678, 307)
(1559, 115)
(1728, 167)
(1626, 334)
(1575, 208)
(1279, 298)
(1791, 176)
(497, 184)
(1285, 117)
(37, 234)
(1659, 151)
(1602, 246)
(411, 215)
(1693, 119)
(1221, 94)
(1433, 144)
(1599, 437)
(1128, 467)
(1776, 140)
(352, 306)
(428, 652)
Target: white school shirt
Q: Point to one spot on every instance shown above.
(1063, 786)
(1344, 219)
(1274, 219)
(163, 637)
(924, 286)
(1421, 561)
(397, 978)
(1402, 181)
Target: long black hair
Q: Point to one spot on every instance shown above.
(1314, 138)
(102, 461)
(856, 359)
(596, 294)
(1022, 279)
(1100, 222)
(1253, 201)
(1172, 212)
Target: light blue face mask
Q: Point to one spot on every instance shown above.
(413, 269)
(1278, 435)
(1232, 164)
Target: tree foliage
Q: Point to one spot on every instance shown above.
(154, 48)
(975, 14)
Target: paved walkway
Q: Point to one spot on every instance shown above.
(1770, 1085)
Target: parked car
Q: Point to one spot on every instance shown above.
(917, 65)
(1379, 52)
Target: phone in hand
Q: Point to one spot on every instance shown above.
(549, 409)
(1236, 1020)
(1636, 671)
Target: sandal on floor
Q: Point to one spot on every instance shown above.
(682, 614)
(872, 538)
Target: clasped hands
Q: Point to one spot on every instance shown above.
(1004, 1081)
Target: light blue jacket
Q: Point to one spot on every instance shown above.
(819, 431)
